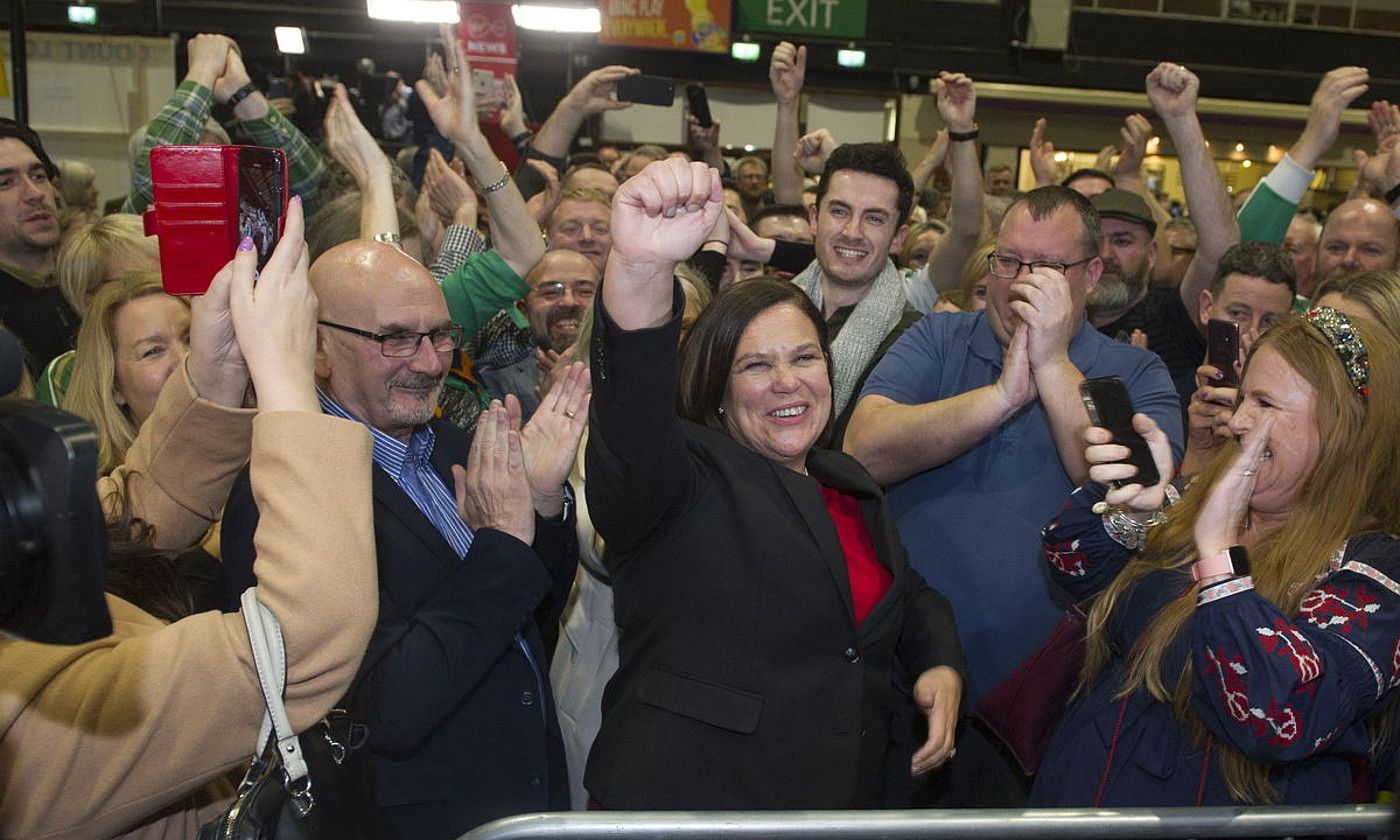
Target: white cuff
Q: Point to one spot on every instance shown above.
(1289, 180)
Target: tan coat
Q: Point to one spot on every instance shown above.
(126, 734)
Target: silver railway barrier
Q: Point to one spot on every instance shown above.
(982, 824)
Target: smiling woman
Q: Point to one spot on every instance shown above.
(1246, 652)
(772, 629)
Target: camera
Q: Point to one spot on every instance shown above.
(53, 536)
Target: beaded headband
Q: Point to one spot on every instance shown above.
(1345, 343)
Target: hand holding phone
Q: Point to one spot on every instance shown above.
(1110, 407)
(647, 90)
(1223, 350)
(699, 104)
(206, 200)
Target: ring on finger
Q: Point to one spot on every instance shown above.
(569, 414)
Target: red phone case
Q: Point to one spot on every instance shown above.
(195, 212)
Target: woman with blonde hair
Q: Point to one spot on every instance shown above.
(971, 293)
(133, 336)
(77, 192)
(1371, 294)
(1242, 645)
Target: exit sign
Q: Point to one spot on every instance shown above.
(834, 18)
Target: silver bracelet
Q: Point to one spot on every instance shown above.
(499, 185)
(1129, 528)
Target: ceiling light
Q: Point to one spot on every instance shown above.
(556, 18)
(414, 11)
(850, 58)
(744, 51)
(291, 40)
(82, 15)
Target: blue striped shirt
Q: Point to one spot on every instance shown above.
(409, 466)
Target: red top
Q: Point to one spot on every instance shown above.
(869, 579)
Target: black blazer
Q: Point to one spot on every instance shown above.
(461, 720)
(743, 680)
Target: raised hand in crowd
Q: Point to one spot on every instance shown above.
(1173, 90)
(513, 109)
(1127, 171)
(660, 217)
(492, 489)
(787, 72)
(1382, 170)
(551, 439)
(934, 157)
(813, 148)
(1107, 463)
(1042, 155)
(454, 111)
(349, 143)
(541, 205)
(1338, 89)
(704, 142)
(1103, 161)
(452, 197)
(435, 74)
(592, 95)
(233, 79)
(207, 55)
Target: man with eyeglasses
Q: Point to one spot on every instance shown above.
(505, 353)
(975, 423)
(454, 687)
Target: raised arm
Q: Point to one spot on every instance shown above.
(1127, 171)
(514, 233)
(1042, 154)
(592, 95)
(351, 145)
(1173, 89)
(786, 73)
(957, 104)
(1265, 217)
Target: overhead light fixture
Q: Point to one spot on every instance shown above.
(556, 18)
(83, 15)
(850, 58)
(291, 40)
(744, 51)
(414, 11)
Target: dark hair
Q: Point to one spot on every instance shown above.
(1255, 259)
(1088, 172)
(882, 160)
(708, 350)
(1043, 201)
(778, 210)
(30, 138)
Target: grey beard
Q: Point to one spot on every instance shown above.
(1115, 293)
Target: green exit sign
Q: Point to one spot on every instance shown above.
(833, 18)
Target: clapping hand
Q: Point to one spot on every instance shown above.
(492, 490)
(552, 436)
(350, 143)
(454, 113)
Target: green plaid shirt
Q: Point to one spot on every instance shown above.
(181, 122)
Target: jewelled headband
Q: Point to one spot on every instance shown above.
(1345, 343)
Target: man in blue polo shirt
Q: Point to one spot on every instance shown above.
(975, 422)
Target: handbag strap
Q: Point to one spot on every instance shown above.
(270, 659)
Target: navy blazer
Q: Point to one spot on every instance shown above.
(455, 685)
(743, 679)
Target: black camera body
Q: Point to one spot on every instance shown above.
(53, 536)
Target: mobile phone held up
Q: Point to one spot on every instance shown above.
(1223, 350)
(206, 199)
(699, 104)
(1110, 407)
(647, 90)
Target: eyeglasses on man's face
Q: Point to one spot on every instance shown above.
(1007, 268)
(403, 343)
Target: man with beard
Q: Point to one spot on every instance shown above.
(562, 286)
(453, 688)
(30, 303)
(1123, 306)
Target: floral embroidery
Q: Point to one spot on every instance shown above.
(1067, 557)
(1279, 722)
(1339, 609)
(1285, 641)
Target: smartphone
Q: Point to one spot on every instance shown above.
(1223, 350)
(206, 199)
(699, 104)
(488, 89)
(1110, 406)
(647, 90)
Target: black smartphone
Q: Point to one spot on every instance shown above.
(1223, 349)
(261, 201)
(699, 104)
(1110, 407)
(647, 90)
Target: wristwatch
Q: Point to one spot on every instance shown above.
(1233, 561)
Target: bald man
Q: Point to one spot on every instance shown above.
(453, 688)
(1360, 235)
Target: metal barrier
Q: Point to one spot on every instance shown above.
(1076, 823)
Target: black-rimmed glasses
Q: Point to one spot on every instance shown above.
(397, 345)
(1008, 267)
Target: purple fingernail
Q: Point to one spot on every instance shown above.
(1219, 374)
(246, 244)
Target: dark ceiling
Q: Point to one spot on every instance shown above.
(907, 41)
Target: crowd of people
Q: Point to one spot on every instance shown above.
(647, 479)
